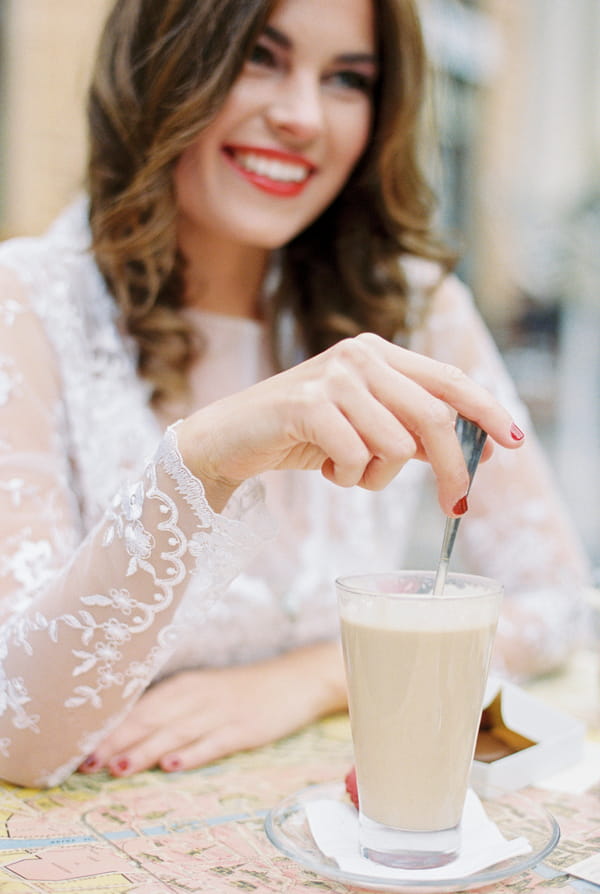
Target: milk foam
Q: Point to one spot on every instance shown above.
(455, 610)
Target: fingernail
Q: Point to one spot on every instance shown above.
(516, 433)
(121, 765)
(171, 764)
(461, 507)
(90, 763)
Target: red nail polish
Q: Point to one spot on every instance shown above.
(461, 507)
(516, 433)
(90, 763)
(172, 764)
(122, 765)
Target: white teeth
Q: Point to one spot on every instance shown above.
(274, 169)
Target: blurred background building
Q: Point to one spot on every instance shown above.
(517, 104)
(516, 109)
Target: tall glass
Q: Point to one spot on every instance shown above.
(416, 668)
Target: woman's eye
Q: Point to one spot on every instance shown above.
(353, 80)
(262, 55)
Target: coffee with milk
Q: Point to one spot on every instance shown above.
(416, 683)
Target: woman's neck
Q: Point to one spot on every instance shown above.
(224, 278)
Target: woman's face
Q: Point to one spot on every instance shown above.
(290, 131)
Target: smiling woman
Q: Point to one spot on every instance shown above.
(210, 397)
(292, 128)
(311, 80)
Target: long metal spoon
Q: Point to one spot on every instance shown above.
(471, 438)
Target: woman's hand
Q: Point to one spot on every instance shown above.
(358, 411)
(196, 717)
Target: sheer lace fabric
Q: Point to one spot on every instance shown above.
(114, 571)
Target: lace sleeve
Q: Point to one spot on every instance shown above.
(517, 529)
(85, 620)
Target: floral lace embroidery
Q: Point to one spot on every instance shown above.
(9, 310)
(10, 379)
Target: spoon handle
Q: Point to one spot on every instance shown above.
(471, 438)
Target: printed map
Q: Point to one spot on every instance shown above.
(157, 832)
(203, 831)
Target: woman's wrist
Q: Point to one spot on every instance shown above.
(195, 448)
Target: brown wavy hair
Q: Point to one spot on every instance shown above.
(164, 69)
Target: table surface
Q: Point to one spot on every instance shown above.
(203, 830)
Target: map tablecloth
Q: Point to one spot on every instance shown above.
(203, 830)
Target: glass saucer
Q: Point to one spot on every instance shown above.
(287, 827)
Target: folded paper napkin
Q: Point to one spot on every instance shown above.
(334, 826)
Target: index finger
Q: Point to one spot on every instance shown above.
(450, 384)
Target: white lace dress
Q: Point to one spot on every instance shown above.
(114, 571)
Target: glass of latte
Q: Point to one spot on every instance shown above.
(416, 668)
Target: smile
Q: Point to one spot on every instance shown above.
(270, 170)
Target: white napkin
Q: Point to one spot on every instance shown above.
(334, 826)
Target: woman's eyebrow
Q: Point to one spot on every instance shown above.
(277, 37)
(357, 58)
(285, 43)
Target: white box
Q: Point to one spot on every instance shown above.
(558, 737)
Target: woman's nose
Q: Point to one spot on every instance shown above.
(297, 109)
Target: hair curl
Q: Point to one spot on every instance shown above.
(163, 70)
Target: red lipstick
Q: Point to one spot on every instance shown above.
(271, 170)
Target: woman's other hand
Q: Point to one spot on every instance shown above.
(199, 716)
(358, 411)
